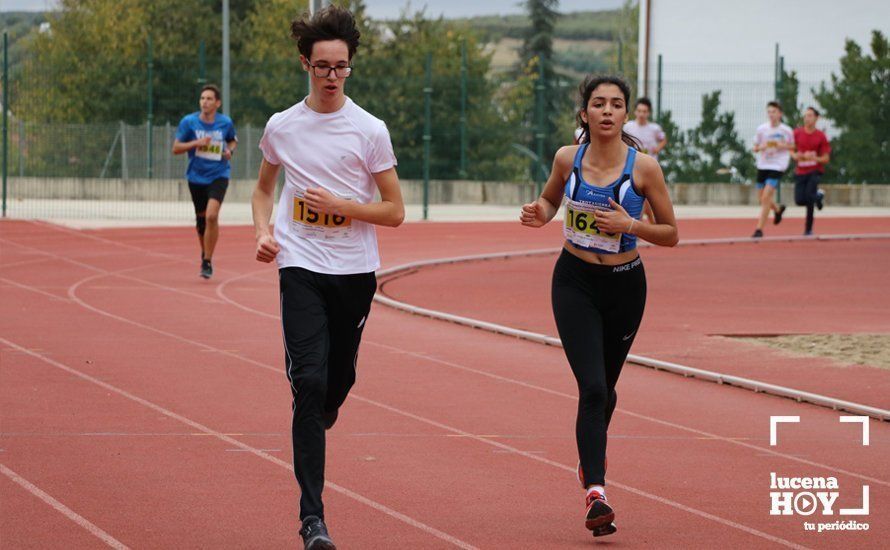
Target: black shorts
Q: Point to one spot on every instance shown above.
(773, 177)
(203, 192)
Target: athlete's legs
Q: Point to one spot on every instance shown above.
(305, 327)
(811, 192)
(211, 234)
(766, 204)
(622, 321)
(349, 305)
(800, 185)
(200, 198)
(580, 327)
(216, 193)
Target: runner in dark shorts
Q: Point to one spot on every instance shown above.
(210, 140)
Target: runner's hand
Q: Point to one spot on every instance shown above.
(266, 248)
(323, 201)
(227, 154)
(613, 221)
(532, 215)
(203, 142)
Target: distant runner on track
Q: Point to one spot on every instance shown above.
(210, 140)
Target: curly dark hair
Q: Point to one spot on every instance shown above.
(330, 23)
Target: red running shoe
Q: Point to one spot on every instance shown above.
(599, 513)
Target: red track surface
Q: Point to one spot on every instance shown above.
(154, 406)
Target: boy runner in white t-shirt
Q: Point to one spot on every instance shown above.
(650, 135)
(335, 157)
(773, 144)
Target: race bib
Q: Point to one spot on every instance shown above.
(807, 161)
(211, 151)
(580, 227)
(310, 224)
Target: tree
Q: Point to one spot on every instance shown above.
(91, 66)
(555, 97)
(710, 152)
(270, 77)
(858, 103)
(788, 93)
(538, 39)
(677, 154)
(390, 84)
(624, 51)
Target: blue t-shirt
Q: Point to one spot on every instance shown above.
(206, 164)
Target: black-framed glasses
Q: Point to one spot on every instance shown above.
(323, 71)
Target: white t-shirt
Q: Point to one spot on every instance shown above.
(337, 151)
(578, 133)
(773, 158)
(649, 135)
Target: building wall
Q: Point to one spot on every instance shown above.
(730, 46)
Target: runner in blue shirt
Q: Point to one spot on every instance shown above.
(210, 140)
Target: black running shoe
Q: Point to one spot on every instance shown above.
(206, 269)
(604, 530)
(808, 233)
(757, 234)
(777, 219)
(330, 418)
(315, 535)
(820, 197)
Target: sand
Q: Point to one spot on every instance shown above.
(845, 349)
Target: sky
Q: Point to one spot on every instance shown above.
(387, 9)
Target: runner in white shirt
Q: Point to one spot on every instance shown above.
(651, 137)
(773, 144)
(335, 157)
(649, 134)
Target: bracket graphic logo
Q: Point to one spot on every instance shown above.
(805, 496)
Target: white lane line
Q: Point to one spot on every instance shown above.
(243, 446)
(220, 291)
(62, 509)
(634, 490)
(33, 289)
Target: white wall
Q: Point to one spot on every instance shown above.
(715, 31)
(730, 46)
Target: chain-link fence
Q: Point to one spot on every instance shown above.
(744, 90)
(477, 126)
(449, 119)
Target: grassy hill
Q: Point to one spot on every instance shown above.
(584, 25)
(584, 42)
(17, 24)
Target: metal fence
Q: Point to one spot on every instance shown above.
(449, 120)
(744, 90)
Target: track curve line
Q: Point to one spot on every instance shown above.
(389, 274)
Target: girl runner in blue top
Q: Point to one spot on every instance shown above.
(599, 285)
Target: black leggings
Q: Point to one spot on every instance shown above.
(806, 193)
(598, 310)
